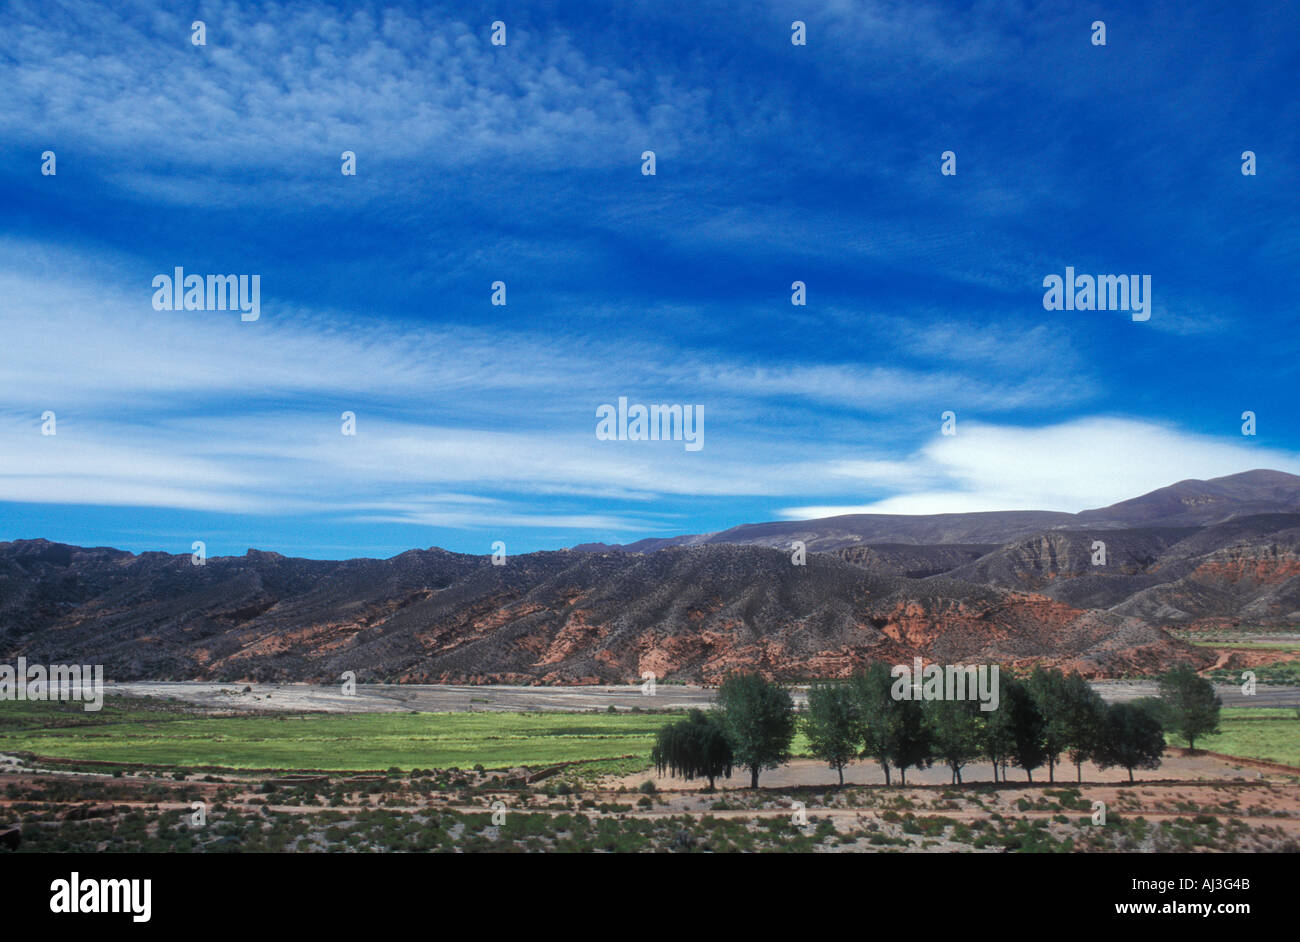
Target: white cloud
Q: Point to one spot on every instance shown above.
(1073, 466)
(290, 88)
(198, 410)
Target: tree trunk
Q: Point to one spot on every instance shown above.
(885, 766)
(902, 775)
(753, 776)
(1051, 769)
(1130, 775)
(841, 771)
(1029, 775)
(710, 783)
(1078, 771)
(995, 771)
(958, 776)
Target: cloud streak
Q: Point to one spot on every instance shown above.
(1069, 467)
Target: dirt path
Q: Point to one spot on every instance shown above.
(1177, 765)
(462, 698)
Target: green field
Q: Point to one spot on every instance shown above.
(1279, 673)
(1250, 645)
(134, 731)
(1277, 638)
(126, 732)
(42, 714)
(1269, 734)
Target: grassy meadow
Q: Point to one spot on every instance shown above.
(1269, 734)
(129, 733)
(133, 731)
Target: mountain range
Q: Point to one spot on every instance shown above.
(1016, 587)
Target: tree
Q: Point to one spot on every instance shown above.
(1157, 708)
(998, 740)
(1015, 729)
(833, 725)
(908, 740)
(1081, 715)
(1192, 705)
(956, 732)
(694, 747)
(894, 732)
(758, 716)
(1047, 688)
(876, 710)
(1130, 737)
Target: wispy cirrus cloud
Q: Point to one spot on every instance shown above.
(478, 163)
(198, 410)
(114, 352)
(277, 85)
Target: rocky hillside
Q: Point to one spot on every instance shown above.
(431, 616)
(1010, 587)
(1189, 503)
(1247, 569)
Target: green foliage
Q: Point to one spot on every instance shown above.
(1016, 730)
(896, 731)
(1131, 737)
(908, 744)
(875, 705)
(1192, 703)
(1028, 728)
(833, 725)
(999, 729)
(1083, 716)
(955, 732)
(694, 747)
(758, 716)
(1158, 709)
(1048, 690)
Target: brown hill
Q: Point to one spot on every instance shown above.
(1015, 587)
(1245, 569)
(431, 616)
(1185, 504)
(1200, 503)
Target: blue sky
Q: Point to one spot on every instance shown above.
(522, 163)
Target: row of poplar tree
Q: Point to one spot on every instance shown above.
(1040, 717)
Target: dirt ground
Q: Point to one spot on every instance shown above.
(812, 773)
(420, 698)
(452, 698)
(1248, 808)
